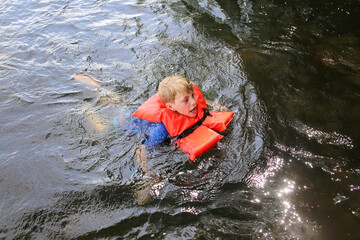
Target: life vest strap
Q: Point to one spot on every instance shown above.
(193, 127)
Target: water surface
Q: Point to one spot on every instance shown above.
(287, 168)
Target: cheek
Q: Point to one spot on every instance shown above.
(185, 107)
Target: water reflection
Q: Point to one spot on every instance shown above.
(289, 215)
(325, 137)
(260, 179)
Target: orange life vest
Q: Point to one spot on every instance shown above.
(200, 140)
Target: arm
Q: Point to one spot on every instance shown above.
(215, 106)
(107, 96)
(87, 79)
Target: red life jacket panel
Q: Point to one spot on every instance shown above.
(198, 142)
(201, 139)
(218, 120)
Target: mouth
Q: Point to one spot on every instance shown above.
(193, 110)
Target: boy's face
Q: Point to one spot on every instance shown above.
(185, 104)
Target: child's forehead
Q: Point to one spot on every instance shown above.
(183, 94)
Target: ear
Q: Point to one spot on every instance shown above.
(170, 106)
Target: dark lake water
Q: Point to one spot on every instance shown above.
(287, 167)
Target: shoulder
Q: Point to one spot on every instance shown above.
(151, 109)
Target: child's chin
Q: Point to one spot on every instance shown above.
(192, 114)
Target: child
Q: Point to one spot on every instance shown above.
(179, 110)
(181, 107)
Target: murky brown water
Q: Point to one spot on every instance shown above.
(287, 168)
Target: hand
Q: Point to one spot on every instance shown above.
(217, 107)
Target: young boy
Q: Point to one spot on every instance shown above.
(179, 110)
(181, 107)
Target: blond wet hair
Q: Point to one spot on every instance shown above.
(171, 85)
